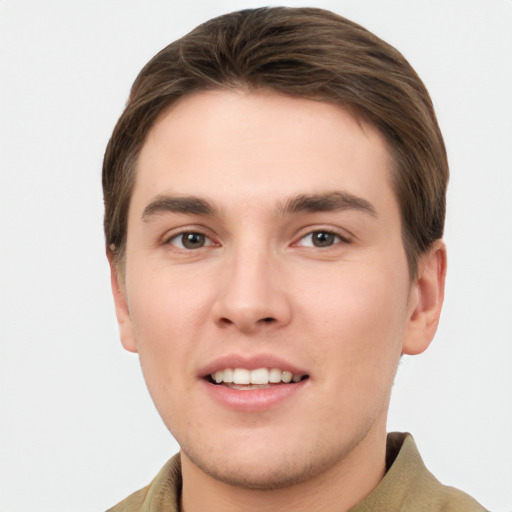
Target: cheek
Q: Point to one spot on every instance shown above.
(162, 329)
(168, 314)
(360, 316)
(167, 300)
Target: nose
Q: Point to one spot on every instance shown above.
(252, 294)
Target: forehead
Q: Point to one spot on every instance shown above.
(239, 146)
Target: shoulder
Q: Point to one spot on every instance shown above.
(409, 486)
(423, 487)
(449, 499)
(132, 503)
(162, 494)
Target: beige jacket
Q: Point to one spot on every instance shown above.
(408, 486)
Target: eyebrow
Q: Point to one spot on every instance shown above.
(330, 201)
(303, 203)
(177, 204)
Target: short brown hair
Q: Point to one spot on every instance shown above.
(304, 52)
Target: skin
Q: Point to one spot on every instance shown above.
(343, 313)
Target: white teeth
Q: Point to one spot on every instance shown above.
(241, 376)
(287, 377)
(260, 376)
(228, 375)
(274, 376)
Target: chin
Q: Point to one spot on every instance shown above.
(266, 468)
(262, 474)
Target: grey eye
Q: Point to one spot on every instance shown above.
(193, 240)
(190, 240)
(323, 238)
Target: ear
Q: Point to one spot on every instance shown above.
(124, 320)
(426, 300)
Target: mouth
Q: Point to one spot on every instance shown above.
(261, 378)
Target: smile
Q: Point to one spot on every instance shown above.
(242, 378)
(253, 384)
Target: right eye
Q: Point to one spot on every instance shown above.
(190, 240)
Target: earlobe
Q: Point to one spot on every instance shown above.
(427, 295)
(122, 311)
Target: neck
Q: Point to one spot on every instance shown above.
(337, 489)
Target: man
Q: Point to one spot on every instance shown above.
(274, 208)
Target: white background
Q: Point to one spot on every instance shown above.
(77, 428)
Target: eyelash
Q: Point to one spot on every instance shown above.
(333, 238)
(181, 237)
(330, 233)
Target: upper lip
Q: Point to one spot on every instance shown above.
(252, 362)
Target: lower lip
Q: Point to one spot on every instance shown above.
(253, 400)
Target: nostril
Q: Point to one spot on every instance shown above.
(246, 322)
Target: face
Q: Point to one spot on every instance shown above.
(266, 287)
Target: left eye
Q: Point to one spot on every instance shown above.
(190, 240)
(320, 239)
